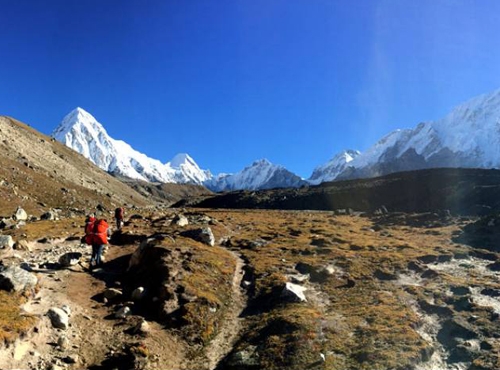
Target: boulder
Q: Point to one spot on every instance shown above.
(70, 259)
(203, 235)
(50, 215)
(15, 278)
(20, 214)
(6, 241)
(59, 318)
(180, 220)
(294, 293)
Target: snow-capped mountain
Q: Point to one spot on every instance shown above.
(80, 131)
(469, 136)
(262, 174)
(333, 167)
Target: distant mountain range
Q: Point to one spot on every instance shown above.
(467, 137)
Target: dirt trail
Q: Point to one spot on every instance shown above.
(224, 341)
(93, 335)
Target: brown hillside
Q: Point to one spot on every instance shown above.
(37, 172)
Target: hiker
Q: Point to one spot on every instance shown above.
(119, 212)
(100, 236)
(89, 229)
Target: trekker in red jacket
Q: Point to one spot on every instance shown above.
(99, 240)
(119, 212)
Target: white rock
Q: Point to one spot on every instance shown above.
(58, 318)
(21, 214)
(294, 292)
(6, 241)
(180, 220)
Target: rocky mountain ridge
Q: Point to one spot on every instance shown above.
(469, 137)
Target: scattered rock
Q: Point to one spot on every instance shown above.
(142, 327)
(294, 293)
(63, 342)
(123, 312)
(20, 214)
(180, 220)
(112, 293)
(247, 358)
(138, 294)
(203, 235)
(384, 276)
(50, 215)
(58, 318)
(6, 241)
(70, 259)
(15, 278)
(7, 223)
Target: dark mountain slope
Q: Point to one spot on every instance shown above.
(462, 191)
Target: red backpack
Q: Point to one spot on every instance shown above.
(89, 230)
(100, 232)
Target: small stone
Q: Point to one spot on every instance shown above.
(63, 342)
(22, 245)
(123, 312)
(138, 294)
(58, 318)
(112, 293)
(66, 309)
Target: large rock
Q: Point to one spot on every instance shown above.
(6, 241)
(294, 293)
(59, 318)
(180, 220)
(203, 235)
(70, 259)
(50, 215)
(14, 278)
(20, 214)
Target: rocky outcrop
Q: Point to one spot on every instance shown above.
(16, 279)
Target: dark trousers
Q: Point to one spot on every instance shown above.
(97, 254)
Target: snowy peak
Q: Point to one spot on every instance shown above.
(80, 131)
(469, 136)
(261, 174)
(333, 167)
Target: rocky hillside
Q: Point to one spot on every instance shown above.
(39, 173)
(461, 191)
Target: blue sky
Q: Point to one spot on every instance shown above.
(233, 81)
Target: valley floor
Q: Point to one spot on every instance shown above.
(278, 289)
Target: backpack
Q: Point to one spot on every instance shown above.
(100, 232)
(89, 230)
